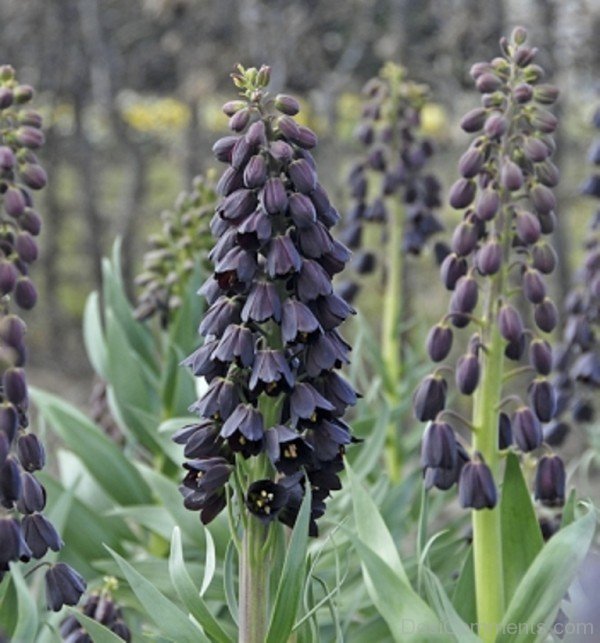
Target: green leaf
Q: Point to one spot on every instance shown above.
(229, 581)
(407, 615)
(101, 456)
(210, 563)
(188, 593)
(93, 334)
(292, 579)
(463, 598)
(98, 632)
(568, 512)
(177, 384)
(543, 587)
(171, 621)
(439, 600)
(27, 620)
(521, 534)
(371, 527)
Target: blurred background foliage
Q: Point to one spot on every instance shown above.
(131, 94)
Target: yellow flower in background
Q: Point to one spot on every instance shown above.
(155, 115)
(433, 120)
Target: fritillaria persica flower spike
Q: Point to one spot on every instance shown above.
(25, 532)
(183, 241)
(271, 417)
(394, 196)
(499, 257)
(578, 359)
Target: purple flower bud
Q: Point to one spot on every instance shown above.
(550, 481)
(438, 447)
(274, 197)
(9, 421)
(30, 137)
(14, 386)
(546, 94)
(478, 69)
(298, 322)
(452, 269)
(262, 303)
(465, 296)
(540, 356)
(64, 586)
(6, 97)
(236, 345)
(544, 121)
(7, 158)
(544, 258)
(489, 258)
(283, 258)
(255, 173)
(528, 227)
(464, 239)
(31, 452)
(496, 126)
(527, 429)
(302, 211)
(555, 433)
(26, 247)
(519, 35)
(223, 148)
(8, 276)
(476, 488)
(233, 106)
(535, 150)
(287, 104)
(302, 176)
(34, 176)
(246, 420)
(534, 288)
(14, 202)
(504, 432)
(473, 121)
(238, 204)
(439, 342)
(281, 151)
(462, 193)
(288, 127)
(471, 162)
(312, 281)
(524, 55)
(523, 93)
(40, 535)
(488, 204)
(467, 373)
(30, 118)
(230, 181)
(488, 82)
(543, 399)
(256, 136)
(364, 133)
(305, 138)
(543, 199)
(510, 323)
(547, 173)
(429, 398)
(265, 499)
(25, 293)
(23, 94)
(511, 176)
(12, 543)
(546, 315)
(239, 120)
(241, 153)
(33, 495)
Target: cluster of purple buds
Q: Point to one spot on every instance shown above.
(394, 169)
(271, 345)
(500, 256)
(25, 533)
(101, 607)
(175, 251)
(578, 361)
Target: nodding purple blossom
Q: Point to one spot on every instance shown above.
(499, 250)
(394, 168)
(25, 533)
(577, 362)
(176, 250)
(102, 608)
(271, 330)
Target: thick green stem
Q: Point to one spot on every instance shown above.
(391, 344)
(254, 584)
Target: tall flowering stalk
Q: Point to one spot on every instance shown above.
(183, 240)
(392, 188)
(498, 261)
(271, 419)
(578, 363)
(25, 533)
